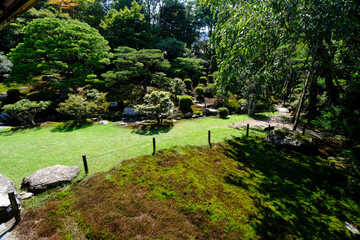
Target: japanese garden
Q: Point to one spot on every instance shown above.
(180, 119)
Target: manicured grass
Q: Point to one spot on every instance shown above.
(25, 151)
(245, 189)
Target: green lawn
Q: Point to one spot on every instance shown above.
(25, 151)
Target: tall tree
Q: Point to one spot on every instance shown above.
(135, 66)
(127, 27)
(176, 23)
(67, 49)
(256, 40)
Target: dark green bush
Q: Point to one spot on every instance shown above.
(210, 78)
(210, 91)
(43, 96)
(13, 95)
(203, 80)
(188, 83)
(185, 103)
(199, 91)
(223, 112)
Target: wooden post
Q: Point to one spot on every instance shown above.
(154, 146)
(209, 138)
(14, 206)
(85, 164)
(247, 130)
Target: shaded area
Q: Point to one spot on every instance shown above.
(150, 129)
(70, 126)
(299, 197)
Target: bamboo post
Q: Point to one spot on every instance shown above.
(209, 138)
(247, 130)
(85, 164)
(14, 206)
(154, 146)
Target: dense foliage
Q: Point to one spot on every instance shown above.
(68, 49)
(25, 110)
(157, 104)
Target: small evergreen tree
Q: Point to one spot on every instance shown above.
(157, 104)
(25, 110)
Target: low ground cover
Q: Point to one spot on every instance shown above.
(244, 189)
(25, 151)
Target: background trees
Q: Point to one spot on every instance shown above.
(127, 27)
(67, 49)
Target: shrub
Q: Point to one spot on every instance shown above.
(210, 78)
(25, 110)
(203, 80)
(188, 83)
(13, 95)
(232, 104)
(243, 105)
(199, 91)
(200, 85)
(157, 104)
(43, 96)
(185, 103)
(223, 112)
(210, 91)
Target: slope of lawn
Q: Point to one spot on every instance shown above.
(25, 151)
(244, 189)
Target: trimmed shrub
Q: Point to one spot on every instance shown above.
(188, 83)
(203, 80)
(199, 91)
(185, 103)
(223, 112)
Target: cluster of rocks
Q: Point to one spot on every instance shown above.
(291, 139)
(35, 183)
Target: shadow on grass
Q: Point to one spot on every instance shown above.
(297, 196)
(260, 117)
(152, 129)
(71, 126)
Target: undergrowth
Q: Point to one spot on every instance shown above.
(244, 189)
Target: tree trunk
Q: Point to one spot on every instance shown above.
(301, 102)
(302, 98)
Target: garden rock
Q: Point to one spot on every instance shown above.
(103, 122)
(292, 139)
(49, 177)
(7, 185)
(210, 112)
(188, 115)
(113, 104)
(129, 111)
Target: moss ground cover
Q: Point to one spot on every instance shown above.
(25, 151)
(244, 189)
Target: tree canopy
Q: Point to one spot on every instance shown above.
(67, 49)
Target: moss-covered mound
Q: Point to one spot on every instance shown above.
(244, 189)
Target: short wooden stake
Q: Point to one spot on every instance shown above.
(209, 138)
(85, 164)
(154, 146)
(14, 206)
(247, 130)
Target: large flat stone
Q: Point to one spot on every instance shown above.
(49, 177)
(7, 185)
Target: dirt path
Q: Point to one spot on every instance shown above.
(278, 121)
(281, 120)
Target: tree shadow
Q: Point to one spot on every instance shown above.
(260, 117)
(70, 126)
(297, 196)
(152, 129)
